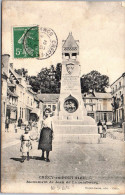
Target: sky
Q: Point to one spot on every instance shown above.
(99, 27)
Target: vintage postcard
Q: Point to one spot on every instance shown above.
(63, 97)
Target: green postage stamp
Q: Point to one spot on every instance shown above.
(26, 42)
(34, 42)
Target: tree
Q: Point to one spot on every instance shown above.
(47, 80)
(58, 72)
(94, 81)
(34, 82)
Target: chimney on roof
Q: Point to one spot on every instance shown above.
(11, 65)
(5, 63)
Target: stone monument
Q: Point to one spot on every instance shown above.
(72, 122)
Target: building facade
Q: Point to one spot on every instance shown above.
(5, 71)
(118, 99)
(98, 106)
(18, 98)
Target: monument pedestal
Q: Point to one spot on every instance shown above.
(77, 131)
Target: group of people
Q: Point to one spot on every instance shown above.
(7, 123)
(44, 140)
(102, 128)
(44, 136)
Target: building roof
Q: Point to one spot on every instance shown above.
(70, 42)
(11, 85)
(13, 94)
(4, 75)
(97, 95)
(55, 97)
(36, 98)
(123, 75)
(48, 97)
(15, 75)
(103, 95)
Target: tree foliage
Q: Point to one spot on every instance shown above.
(48, 80)
(94, 81)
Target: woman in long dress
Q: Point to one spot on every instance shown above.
(46, 136)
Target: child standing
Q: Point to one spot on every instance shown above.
(26, 144)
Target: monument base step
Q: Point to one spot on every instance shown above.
(77, 138)
(78, 131)
(75, 129)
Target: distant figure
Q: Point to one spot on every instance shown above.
(15, 127)
(7, 122)
(104, 129)
(100, 128)
(46, 136)
(26, 144)
(20, 122)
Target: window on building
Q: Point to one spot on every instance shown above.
(74, 54)
(91, 115)
(4, 108)
(28, 100)
(91, 108)
(66, 54)
(21, 94)
(44, 107)
(49, 106)
(105, 117)
(54, 107)
(119, 84)
(90, 100)
(119, 114)
(20, 112)
(116, 87)
(23, 97)
(37, 105)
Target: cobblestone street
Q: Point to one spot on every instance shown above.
(99, 163)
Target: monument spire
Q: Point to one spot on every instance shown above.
(70, 48)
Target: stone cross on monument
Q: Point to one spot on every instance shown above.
(72, 122)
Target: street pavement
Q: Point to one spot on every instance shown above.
(97, 163)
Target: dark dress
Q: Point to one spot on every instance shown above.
(19, 122)
(99, 127)
(45, 141)
(7, 123)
